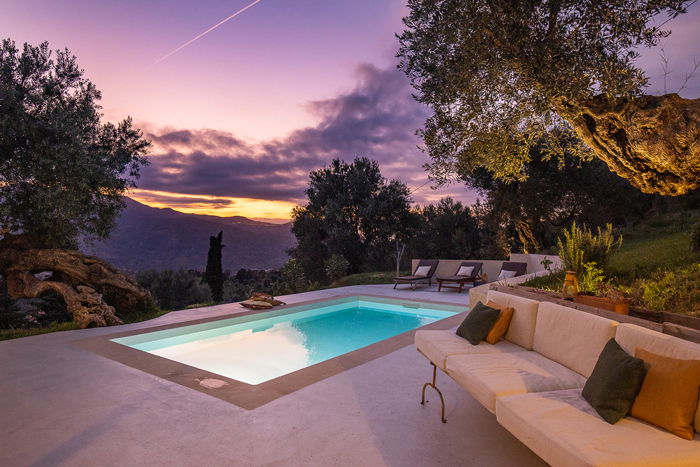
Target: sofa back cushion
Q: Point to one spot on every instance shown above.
(631, 337)
(521, 330)
(571, 337)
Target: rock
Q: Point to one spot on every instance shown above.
(85, 283)
(28, 305)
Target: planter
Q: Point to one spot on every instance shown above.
(622, 307)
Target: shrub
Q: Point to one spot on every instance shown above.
(293, 279)
(10, 317)
(592, 278)
(235, 291)
(547, 264)
(695, 238)
(676, 291)
(336, 267)
(174, 289)
(581, 245)
(553, 282)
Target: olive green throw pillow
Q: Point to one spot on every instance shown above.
(615, 382)
(478, 323)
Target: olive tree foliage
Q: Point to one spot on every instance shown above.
(62, 171)
(497, 74)
(529, 215)
(62, 176)
(354, 212)
(447, 229)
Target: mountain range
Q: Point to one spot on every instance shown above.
(162, 238)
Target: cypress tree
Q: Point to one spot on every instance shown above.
(214, 275)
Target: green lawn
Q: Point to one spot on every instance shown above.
(641, 255)
(6, 334)
(365, 278)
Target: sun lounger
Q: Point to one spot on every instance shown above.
(511, 269)
(461, 279)
(424, 272)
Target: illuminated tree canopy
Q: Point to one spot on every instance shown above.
(498, 73)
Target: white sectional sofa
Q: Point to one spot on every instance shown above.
(533, 379)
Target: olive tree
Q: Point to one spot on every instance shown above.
(497, 74)
(62, 176)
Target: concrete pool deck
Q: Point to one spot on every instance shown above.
(61, 404)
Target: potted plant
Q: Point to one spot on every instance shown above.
(608, 298)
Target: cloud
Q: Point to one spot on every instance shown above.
(165, 199)
(377, 119)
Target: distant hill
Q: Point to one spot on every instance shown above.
(153, 238)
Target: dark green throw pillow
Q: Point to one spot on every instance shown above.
(478, 323)
(614, 383)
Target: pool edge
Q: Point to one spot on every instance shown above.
(242, 394)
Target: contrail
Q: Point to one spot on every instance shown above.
(205, 32)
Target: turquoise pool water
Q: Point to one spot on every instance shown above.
(260, 347)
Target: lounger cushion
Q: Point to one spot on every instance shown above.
(465, 271)
(630, 337)
(490, 376)
(505, 274)
(422, 271)
(572, 337)
(521, 330)
(438, 345)
(564, 430)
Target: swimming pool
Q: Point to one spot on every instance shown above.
(260, 347)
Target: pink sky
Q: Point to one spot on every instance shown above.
(253, 76)
(273, 79)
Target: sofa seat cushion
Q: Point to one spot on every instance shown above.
(490, 376)
(438, 345)
(564, 430)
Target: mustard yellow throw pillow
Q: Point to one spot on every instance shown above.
(500, 328)
(669, 394)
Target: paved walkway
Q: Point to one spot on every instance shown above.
(63, 405)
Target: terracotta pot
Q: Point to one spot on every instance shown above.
(622, 307)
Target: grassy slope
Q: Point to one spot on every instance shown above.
(6, 334)
(365, 278)
(641, 255)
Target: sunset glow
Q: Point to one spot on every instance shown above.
(241, 111)
(272, 211)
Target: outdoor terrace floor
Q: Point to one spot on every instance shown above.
(60, 404)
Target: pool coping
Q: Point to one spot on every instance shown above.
(242, 394)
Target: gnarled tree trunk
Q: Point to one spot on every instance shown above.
(653, 141)
(94, 291)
